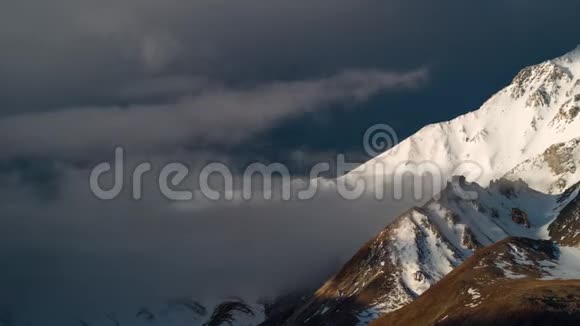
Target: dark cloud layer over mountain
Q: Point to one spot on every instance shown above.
(231, 81)
(78, 53)
(214, 117)
(65, 55)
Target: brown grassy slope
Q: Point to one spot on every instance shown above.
(502, 300)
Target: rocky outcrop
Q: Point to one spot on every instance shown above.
(552, 171)
(566, 228)
(520, 217)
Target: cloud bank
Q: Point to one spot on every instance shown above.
(212, 117)
(75, 257)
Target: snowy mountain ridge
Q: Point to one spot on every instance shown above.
(425, 244)
(538, 109)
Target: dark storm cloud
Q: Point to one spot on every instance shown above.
(216, 116)
(78, 53)
(70, 54)
(120, 57)
(67, 52)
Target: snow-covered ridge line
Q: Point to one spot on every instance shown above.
(538, 109)
(426, 243)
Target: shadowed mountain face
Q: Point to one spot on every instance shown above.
(566, 228)
(509, 283)
(373, 277)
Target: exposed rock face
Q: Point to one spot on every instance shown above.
(549, 75)
(560, 157)
(281, 309)
(520, 217)
(521, 82)
(566, 228)
(538, 98)
(468, 240)
(554, 170)
(567, 113)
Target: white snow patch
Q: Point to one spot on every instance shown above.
(474, 293)
(504, 267)
(567, 267)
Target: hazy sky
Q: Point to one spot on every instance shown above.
(229, 81)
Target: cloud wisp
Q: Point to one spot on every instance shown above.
(217, 116)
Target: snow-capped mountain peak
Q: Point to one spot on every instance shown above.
(538, 109)
(526, 141)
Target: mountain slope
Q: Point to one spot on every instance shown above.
(509, 283)
(424, 244)
(382, 277)
(527, 132)
(566, 228)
